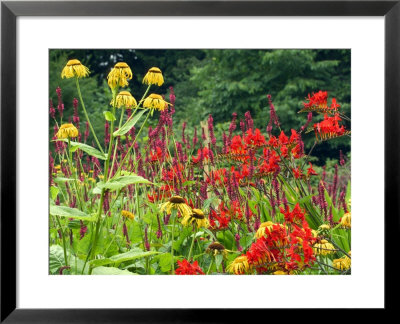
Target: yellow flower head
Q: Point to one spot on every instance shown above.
(124, 99)
(74, 68)
(119, 75)
(153, 76)
(323, 248)
(261, 230)
(127, 214)
(343, 263)
(155, 101)
(239, 266)
(178, 203)
(197, 217)
(346, 221)
(67, 130)
(216, 248)
(280, 272)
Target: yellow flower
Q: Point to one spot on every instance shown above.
(346, 220)
(127, 214)
(155, 101)
(74, 68)
(239, 266)
(119, 75)
(323, 248)
(343, 263)
(324, 227)
(57, 167)
(178, 203)
(67, 130)
(153, 76)
(124, 99)
(280, 272)
(261, 230)
(216, 248)
(196, 217)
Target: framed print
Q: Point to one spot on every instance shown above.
(143, 142)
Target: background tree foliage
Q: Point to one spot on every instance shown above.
(218, 82)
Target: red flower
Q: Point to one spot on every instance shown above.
(185, 268)
(297, 173)
(295, 216)
(310, 170)
(283, 139)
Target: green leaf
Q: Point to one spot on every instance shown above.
(131, 255)
(54, 192)
(74, 213)
(165, 262)
(56, 258)
(108, 115)
(129, 124)
(62, 180)
(218, 260)
(85, 148)
(122, 181)
(100, 262)
(106, 271)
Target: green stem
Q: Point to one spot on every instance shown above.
(209, 268)
(191, 246)
(86, 116)
(172, 241)
(116, 140)
(63, 239)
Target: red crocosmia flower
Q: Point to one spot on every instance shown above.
(294, 137)
(284, 151)
(283, 139)
(334, 105)
(297, 173)
(295, 216)
(256, 139)
(156, 156)
(185, 268)
(317, 100)
(196, 159)
(310, 170)
(329, 128)
(297, 152)
(273, 141)
(259, 252)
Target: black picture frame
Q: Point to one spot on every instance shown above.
(10, 10)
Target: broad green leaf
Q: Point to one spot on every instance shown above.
(129, 124)
(74, 213)
(131, 255)
(108, 115)
(122, 181)
(56, 258)
(54, 192)
(100, 262)
(218, 260)
(106, 271)
(85, 148)
(165, 262)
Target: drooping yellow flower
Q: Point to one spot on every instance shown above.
(323, 248)
(124, 99)
(239, 266)
(197, 217)
(127, 214)
(280, 272)
(346, 220)
(343, 263)
(67, 131)
(261, 230)
(216, 248)
(178, 203)
(119, 75)
(74, 68)
(155, 101)
(154, 76)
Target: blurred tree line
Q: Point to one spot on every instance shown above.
(218, 82)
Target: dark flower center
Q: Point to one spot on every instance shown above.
(176, 200)
(216, 246)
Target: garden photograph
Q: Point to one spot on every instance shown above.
(199, 162)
